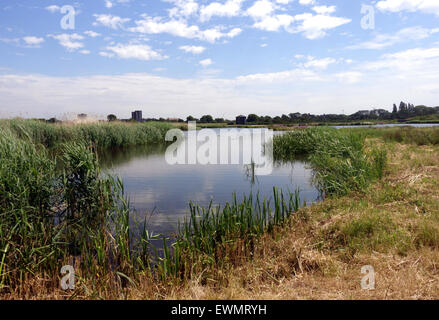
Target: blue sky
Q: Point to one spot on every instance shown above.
(172, 58)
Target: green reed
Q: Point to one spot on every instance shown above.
(214, 235)
(338, 157)
(101, 134)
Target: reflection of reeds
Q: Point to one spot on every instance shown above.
(250, 172)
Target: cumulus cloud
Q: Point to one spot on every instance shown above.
(307, 2)
(193, 49)
(69, 41)
(92, 34)
(183, 8)
(180, 28)
(33, 41)
(132, 51)
(324, 9)
(313, 26)
(316, 26)
(231, 8)
(110, 21)
(206, 62)
(319, 63)
(426, 6)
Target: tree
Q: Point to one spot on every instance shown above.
(206, 119)
(252, 118)
(111, 117)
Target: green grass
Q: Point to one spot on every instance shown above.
(405, 135)
(338, 157)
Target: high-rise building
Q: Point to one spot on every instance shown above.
(136, 115)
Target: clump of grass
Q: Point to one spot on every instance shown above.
(338, 158)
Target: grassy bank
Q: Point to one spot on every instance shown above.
(242, 250)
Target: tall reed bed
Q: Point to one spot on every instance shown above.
(338, 157)
(103, 135)
(51, 217)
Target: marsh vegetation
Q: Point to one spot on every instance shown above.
(77, 215)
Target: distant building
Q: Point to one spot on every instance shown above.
(82, 116)
(240, 119)
(137, 116)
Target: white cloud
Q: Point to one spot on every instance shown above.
(408, 60)
(319, 63)
(382, 41)
(265, 16)
(284, 1)
(179, 28)
(230, 8)
(70, 41)
(133, 51)
(33, 41)
(53, 8)
(289, 75)
(274, 23)
(183, 8)
(206, 62)
(324, 9)
(426, 6)
(315, 26)
(349, 77)
(108, 4)
(84, 52)
(110, 21)
(261, 9)
(92, 34)
(193, 49)
(306, 2)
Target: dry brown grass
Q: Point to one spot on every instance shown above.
(394, 227)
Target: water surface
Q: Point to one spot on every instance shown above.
(162, 192)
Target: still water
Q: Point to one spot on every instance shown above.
(162, 192)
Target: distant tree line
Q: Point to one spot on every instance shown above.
(403, 112)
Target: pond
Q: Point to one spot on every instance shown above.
(161, 192)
